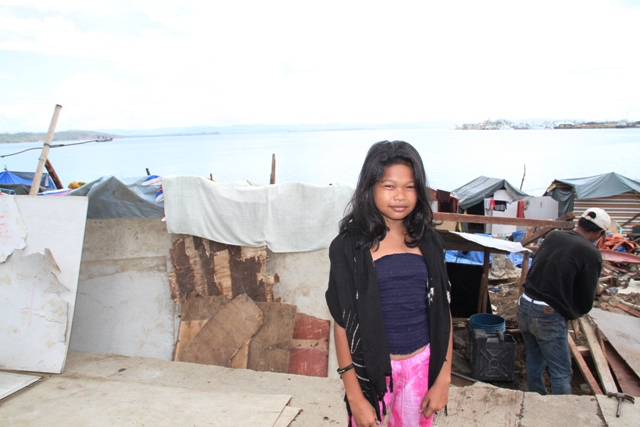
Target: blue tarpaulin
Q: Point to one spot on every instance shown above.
(26, 178)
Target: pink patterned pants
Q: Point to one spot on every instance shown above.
(410, 385)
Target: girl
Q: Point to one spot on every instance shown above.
(389, 295)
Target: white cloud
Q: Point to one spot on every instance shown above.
(169, 63)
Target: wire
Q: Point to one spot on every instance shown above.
(58, 146)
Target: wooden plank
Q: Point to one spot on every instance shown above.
(626, 308)
(602, 366)
(481, 219)
(222, 272)
(196, 312)
(270, 347)
(241, 358)
(584, 369)
(524, 272)
(224, 334)
(628, 380)
(530, 238)
(623, 332)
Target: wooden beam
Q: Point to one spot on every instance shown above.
(584, 369)
(484, 283)
(599, 359)
(626, 308)
(530, 238)
(481, 219)
(53, 175)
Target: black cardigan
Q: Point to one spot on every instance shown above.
(354, 303)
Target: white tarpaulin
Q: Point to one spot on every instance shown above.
(287, 217)
(482, 242)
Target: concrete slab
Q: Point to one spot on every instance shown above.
(553, 411)
(629, 412)
(102, 402)
(319, 399)
(481, 405)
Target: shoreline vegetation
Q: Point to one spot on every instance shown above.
(71, 135)
(79, 135)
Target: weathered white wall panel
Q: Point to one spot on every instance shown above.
(124, 302)
(40, 282)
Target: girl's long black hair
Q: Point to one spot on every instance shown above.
(363, 218)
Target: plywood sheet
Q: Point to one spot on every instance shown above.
(623, 332)
(627, 379)
(196, 312)
(11, 382)
(269, 348)
(226, 332)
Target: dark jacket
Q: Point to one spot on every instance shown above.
(565, 273)
(354, 303)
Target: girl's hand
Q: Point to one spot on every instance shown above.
(436, 398)
(363, 413)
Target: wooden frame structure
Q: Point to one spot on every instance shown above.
(536, 228)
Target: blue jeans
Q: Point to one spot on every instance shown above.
(544, 333)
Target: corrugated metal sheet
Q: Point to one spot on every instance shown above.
(620, 208)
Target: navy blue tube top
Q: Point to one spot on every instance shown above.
(402, 284)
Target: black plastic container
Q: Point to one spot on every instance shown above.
(493, 355)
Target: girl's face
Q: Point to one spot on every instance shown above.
(395, 194)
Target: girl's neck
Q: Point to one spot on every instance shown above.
(393, 243)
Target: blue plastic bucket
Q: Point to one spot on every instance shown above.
(488, 322)
(517, 236)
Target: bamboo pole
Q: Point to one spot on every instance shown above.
(35, 184)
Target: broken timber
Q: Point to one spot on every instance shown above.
(599, 359)
(584, 369)
(224, 334)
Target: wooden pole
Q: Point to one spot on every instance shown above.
(53, 175)
(272, 180)
(35, 184)
(484, 285)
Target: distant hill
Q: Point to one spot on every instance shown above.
(70, 135)
(263, 128)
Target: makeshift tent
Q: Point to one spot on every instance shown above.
(121, 197)
(617, 194)
(593, 187)
(476, 191)
(16, 181)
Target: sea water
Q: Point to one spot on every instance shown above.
(531, 158)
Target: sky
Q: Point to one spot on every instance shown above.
(148, 64)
